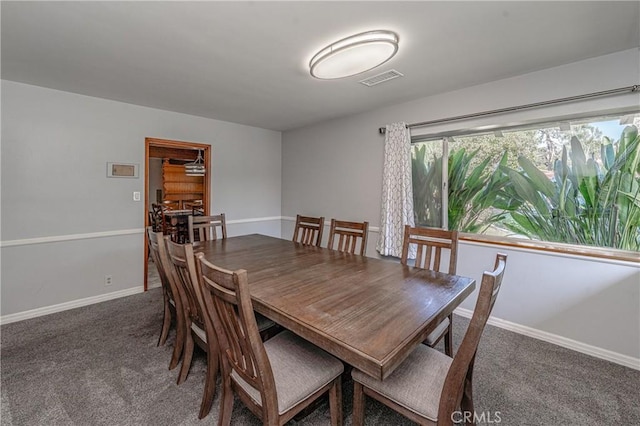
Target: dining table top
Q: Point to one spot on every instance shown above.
(371, 313)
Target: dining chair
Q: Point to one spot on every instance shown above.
(308, 230)
(276, 379)
(191, 204)
(348, 234)
(171, 204)
(173, 307)
(430, 243)
(184, 268)
(428, 387)
(155, 217)
(168, 224)
(203, 228)
(195, 331)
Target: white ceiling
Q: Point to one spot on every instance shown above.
(246, 62)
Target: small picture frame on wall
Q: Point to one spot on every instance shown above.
(123, 170)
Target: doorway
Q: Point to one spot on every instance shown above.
(172, 155)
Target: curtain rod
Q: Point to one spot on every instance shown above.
(634, 88)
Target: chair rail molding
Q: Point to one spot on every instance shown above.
(116, 233)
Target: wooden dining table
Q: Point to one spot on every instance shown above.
(370, 313)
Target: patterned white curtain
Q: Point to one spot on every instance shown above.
(397, 191)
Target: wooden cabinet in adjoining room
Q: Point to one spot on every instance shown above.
(177, 186)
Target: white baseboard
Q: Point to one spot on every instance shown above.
(584, 348)
(46, 310)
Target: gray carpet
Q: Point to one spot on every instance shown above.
(99, 365)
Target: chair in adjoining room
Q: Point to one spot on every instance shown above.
(203, 228)
(156, 218)
(192, 204)
(171, 204)
(429, 387)
(195, 331)
(308, 230)
(348, 234)
(430, 243)
(173, 307)
(276, 379)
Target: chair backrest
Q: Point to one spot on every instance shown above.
(158, 252)
(348, 234)
(203, 228)
(308, 230)
(184, 267)
(430, 242)
(171, 204)
(156, 217)
(230, 312)
(191, 204)
(461, 368)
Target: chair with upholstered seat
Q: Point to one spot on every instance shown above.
(275, 379)
(429, 387)
(195, 331)
(173, 308)
(184, 268)
(171, 204)
(192, 204)
(348, 234)
(308, 230)
(203, 228)
(430, 244)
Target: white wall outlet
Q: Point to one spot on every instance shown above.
(136, 196)
(108, 280)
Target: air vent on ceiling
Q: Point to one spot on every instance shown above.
(381, 78)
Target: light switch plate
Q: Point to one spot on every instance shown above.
(136, 196)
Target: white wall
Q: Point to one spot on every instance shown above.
(334, 169)
(55, 147)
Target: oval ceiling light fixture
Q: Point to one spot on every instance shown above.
(354, 55)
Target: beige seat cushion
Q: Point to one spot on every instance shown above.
(299, 369)
(437, 332)
(416, 384)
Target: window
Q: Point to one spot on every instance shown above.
(575, 182)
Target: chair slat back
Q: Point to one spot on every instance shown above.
(308, 230)
(230, 310)
(430, 242)
(171, 204)
(158, 252)
(203, 228)
(462, 366)
(184, 267)
(349, 234)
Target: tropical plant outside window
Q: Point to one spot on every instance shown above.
(576, 183)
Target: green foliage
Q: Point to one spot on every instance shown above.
(472, 191)
(586, 202)
(427, 187)
(578, 200)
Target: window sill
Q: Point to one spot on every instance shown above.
(570, 249)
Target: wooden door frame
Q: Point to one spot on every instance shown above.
(172, 144)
